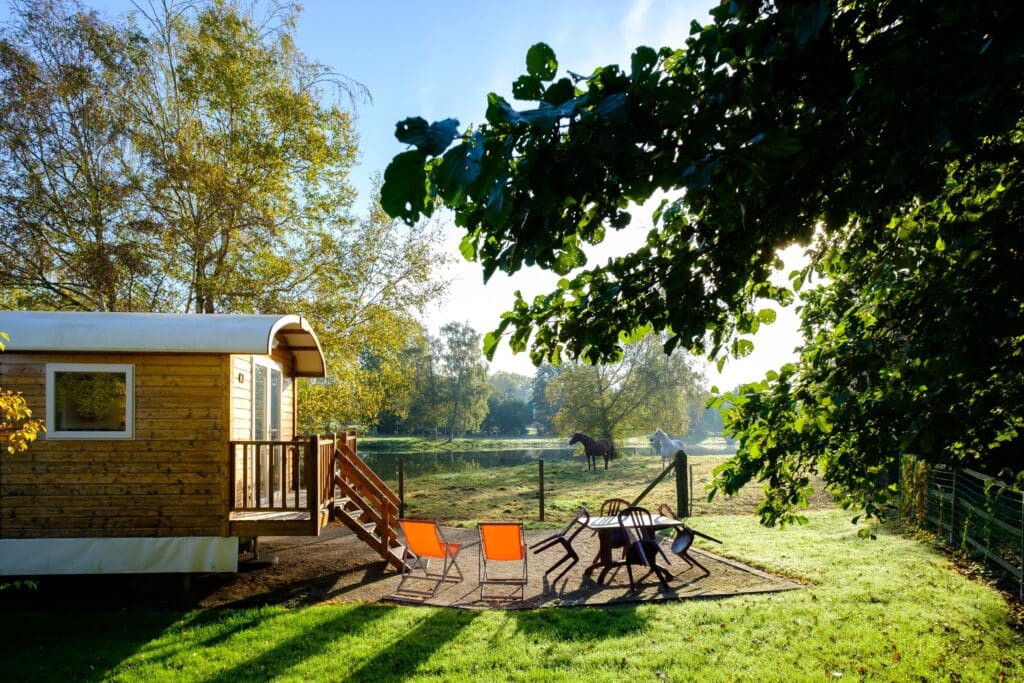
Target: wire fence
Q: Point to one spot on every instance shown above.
(549, 486)
(975, 513)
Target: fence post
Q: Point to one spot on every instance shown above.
(682, 490)
(401, 487)
(690, 511)
(540, 468)
(952, 512)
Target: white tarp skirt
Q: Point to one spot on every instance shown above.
(39, 556)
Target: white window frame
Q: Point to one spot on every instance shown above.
(271, 365)
(52, 432)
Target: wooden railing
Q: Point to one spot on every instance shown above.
(275, 475)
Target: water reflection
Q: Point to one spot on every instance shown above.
(386, 464)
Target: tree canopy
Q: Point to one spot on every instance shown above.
(884, 134)
(189, 157)
(647, 389)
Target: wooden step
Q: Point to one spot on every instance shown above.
(352, 509)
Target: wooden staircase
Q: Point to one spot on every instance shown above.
(366, 505)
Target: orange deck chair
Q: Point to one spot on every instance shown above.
(502, 542)
(424, 542)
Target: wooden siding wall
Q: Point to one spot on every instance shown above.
(241, 397)
(170, 480)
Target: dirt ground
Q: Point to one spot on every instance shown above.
(336, 567)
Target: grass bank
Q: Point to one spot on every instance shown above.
(888, 609)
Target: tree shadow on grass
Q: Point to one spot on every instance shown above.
(402, 658)
(396, 661)
(307, 643)
(580, 623)
(80, 647)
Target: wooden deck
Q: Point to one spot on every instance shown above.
(282, 488)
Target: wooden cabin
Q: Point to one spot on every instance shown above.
(168, 439)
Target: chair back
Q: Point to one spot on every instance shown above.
(423, 537)
(683, 540)
(665, 510)
(582, 518)
(612, 506)
(502, 540)
(640, 519)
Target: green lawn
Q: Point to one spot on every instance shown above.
(891, 609)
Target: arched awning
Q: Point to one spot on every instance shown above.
(72, 332)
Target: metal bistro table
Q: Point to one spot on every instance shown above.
(606, 528)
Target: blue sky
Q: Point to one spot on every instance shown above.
(440, 59)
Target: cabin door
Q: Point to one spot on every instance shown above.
(266, 422)
(266, 400)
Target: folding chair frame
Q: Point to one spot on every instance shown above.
(411, 560)
(483, 576)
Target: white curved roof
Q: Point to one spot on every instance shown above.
(164, 333)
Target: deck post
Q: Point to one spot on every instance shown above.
(313, 477)
(233, 472)
(682, 489)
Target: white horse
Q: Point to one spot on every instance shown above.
(664, 445)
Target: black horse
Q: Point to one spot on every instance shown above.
(593, 448)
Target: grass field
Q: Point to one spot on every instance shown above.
(891, 609)
(513, 493)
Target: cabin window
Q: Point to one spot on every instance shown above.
(89, 401)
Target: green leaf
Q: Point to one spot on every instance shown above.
(541, 61)
(613, 107)
(542, 118)
(642, 62)
(559, 92)
(460, 167)
(742, 348)
(467, 247)
(500, 111)
(528, 88)
(497, 209)
(404, 192)
(412, 131)
(491, 341)
(432, 139)
(767, 315)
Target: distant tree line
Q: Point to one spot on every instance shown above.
(453, 395)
